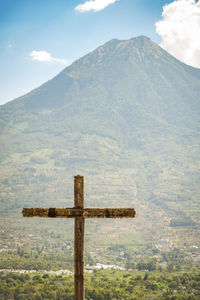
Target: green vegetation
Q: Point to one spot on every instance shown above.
(103, 285)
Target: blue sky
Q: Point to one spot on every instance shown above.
(38, 38)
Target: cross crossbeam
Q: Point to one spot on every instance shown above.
(79, 213)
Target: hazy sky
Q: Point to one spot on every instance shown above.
(38, 38)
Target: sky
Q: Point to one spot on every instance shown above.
(38, 38)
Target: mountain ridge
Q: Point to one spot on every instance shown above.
(139, 42)
(129, 111)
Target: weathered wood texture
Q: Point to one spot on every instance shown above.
(79, 290)
(79, 212)
(79, 227)
(78, 191)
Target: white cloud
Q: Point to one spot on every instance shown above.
(45, 56)
(180, 30)
(94, 5)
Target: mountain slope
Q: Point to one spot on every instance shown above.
(127, 117)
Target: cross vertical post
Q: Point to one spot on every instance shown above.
(79, 293)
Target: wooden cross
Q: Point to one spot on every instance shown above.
(79, 213)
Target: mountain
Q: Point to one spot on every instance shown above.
(126, 116)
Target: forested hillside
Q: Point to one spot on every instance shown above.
(126, 117)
